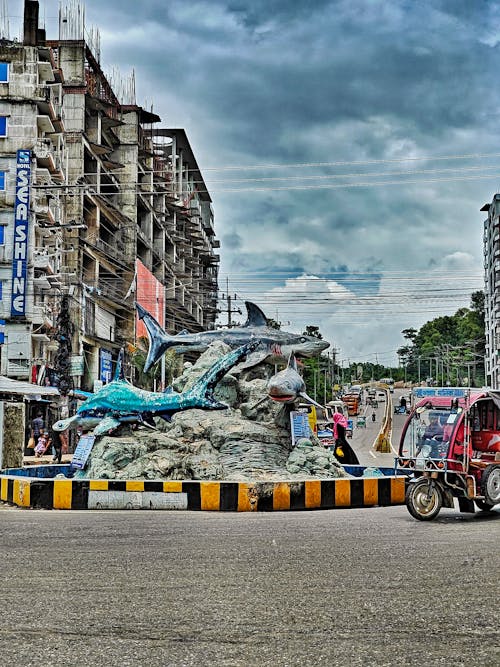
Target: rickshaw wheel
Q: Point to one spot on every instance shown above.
(424, 500)
(484, 506)
(490, 485)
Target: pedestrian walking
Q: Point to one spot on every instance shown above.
(56, 442)
(373, 416)
(343, 450)
(37, 425)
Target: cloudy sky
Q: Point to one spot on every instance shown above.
(348, 146)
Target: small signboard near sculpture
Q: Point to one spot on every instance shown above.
(82, 451)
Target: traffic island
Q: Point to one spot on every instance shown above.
(47, 487)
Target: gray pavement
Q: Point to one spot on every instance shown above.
(340, 587)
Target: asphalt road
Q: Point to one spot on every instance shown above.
(364, 437)
(339, 587)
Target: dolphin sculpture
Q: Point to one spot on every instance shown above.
(274, 344)
(120, 402)
(288, 386)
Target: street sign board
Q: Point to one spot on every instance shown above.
(82, 451)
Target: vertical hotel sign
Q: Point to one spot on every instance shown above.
(21, 220)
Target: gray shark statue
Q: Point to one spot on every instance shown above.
(275, 344)
(120, 402)
(288, 386)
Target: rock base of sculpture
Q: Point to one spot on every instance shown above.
(244, 442)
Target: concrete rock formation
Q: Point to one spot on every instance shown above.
(240, 443)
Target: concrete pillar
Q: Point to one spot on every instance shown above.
(12, 423)
(30, 26)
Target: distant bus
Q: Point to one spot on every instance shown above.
(352, 402)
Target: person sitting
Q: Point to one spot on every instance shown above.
(434, 428)
(433, 436)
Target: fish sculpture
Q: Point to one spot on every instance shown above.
(274, 344)
(120, 402)
(288, 386)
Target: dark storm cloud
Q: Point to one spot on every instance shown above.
(279, 83)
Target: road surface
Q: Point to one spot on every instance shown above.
(361, 587)
(364, 437)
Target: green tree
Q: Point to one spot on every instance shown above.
(152, 378)
(452, 343)
(313, 331)
(273, 324)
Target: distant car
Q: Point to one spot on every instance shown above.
(389, 382)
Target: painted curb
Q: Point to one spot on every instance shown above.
(200, 495)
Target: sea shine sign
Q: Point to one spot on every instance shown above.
(21, 221)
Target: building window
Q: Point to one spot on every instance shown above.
(4, 72)
(3, 126)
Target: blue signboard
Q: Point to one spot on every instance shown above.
(82, 451)
(2, 332)
(455, 392)
(105, 365)
(21, 228)
(300, 426)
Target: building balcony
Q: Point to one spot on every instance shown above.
(45, 214)
(45, 71)
(49, 103)
(44, 124)
(43, 262)
(38, 315)
(41, 283)
(47, 157)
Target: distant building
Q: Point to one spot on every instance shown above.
(491, 243)
(118, 210)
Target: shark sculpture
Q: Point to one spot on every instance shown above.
(288, 386)
(274, 344)
(120, 402)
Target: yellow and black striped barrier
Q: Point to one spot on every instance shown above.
(201, 495)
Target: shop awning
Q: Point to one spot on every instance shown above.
(33, 391)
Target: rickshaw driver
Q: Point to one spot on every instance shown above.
(434, 427)
(432, 436)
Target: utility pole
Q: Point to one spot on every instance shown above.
(229, 310)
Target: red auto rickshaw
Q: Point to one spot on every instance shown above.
(450, 448)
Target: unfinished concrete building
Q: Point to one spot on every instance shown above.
(31, 160)
(123, 207)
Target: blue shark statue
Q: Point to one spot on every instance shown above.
(274, 344)
(120, 402)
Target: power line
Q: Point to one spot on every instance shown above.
(334, 186)
(338, 163)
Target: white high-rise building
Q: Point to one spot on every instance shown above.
(491, 241)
